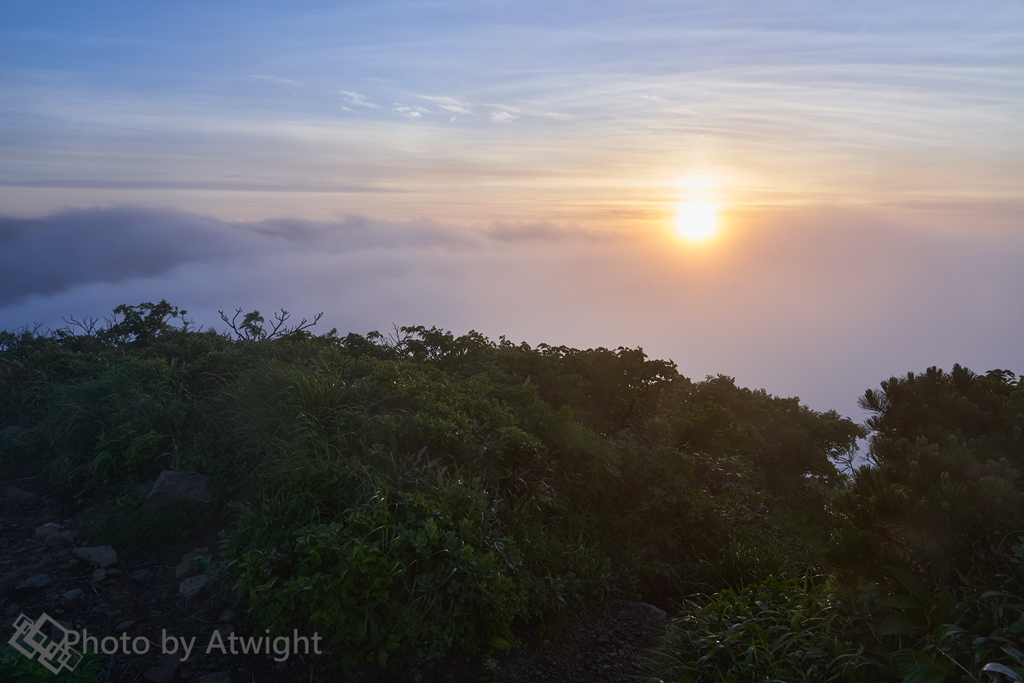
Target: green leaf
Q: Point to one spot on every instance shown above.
(499, 643)
(912, 584)
(947, 630)
(903, 601)
(903, 624)
(1005, 670)
(918, 667)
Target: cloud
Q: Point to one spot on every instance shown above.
(503, 116)
(359, 100)
(819, 304)
(447, 103)
(411, 112)
(455, 109)
(542, 231)
(44, 256)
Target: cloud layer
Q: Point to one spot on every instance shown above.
(819, 304)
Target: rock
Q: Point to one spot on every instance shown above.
(123, 626)
(33, 582)
(160, 674)
(226, 616)
(13, 610)
(42, 532)
(103, 555)
(192, 587)
(60, 538)
(72, 594)
(114, 572)
(16, 496)
(164, 670)
(219, 677)
(11, 432)
(184, 571)
(656, 612)
(172, 487)
(98, 575)
(173, 659)
(142, 575)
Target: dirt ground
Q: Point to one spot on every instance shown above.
(139, 601)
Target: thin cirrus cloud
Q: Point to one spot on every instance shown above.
(359, 100)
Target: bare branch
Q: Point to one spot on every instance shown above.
(279, 319)
(231, 322)
(87, 325)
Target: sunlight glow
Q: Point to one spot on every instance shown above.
(697, 221)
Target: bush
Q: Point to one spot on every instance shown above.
(404, 577)
(784, 631)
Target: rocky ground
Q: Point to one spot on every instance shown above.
(46, 567)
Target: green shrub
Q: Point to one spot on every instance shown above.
(776, 631)
(405, 576)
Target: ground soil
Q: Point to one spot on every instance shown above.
(608, 643)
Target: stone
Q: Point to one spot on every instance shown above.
(12, 494)
(11, 432)
(13, 611)
(173, 487)
(34, 582)
(603, 638)
(72, 594)
(102, 555)
(114, 572)
(142, 575)
(173, 659)
(123, 626)
(165, 669)
(184, 571)
(42, 532)
(160, 674)
(60, 538)
(192, 587)
(98, 575)
(219, 677)
(226, 616)
(656, 612)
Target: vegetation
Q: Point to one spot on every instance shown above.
(422, 496)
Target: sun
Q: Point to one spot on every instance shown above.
(697, 221)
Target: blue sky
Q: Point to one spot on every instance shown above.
(516, 168)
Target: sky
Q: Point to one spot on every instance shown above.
(520, 169)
